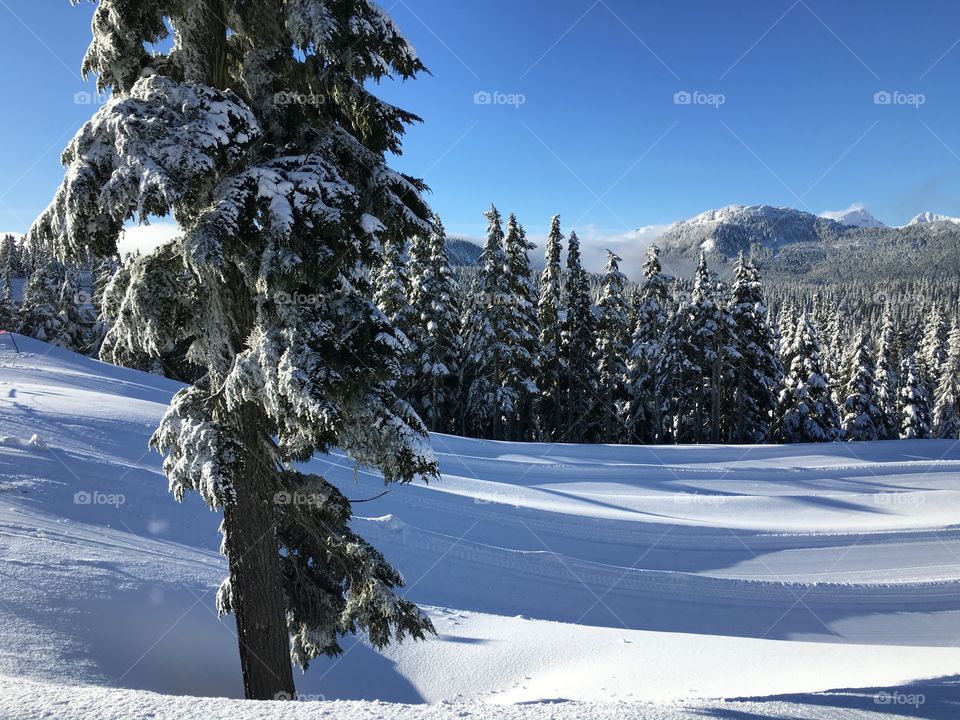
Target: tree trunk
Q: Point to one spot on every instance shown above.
(256, 584)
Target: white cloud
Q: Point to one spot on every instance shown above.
(838, 214)
(146, 238)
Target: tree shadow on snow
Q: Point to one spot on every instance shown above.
(935, 699)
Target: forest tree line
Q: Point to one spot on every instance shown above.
(503, 352)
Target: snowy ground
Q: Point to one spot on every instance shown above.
(564, 581)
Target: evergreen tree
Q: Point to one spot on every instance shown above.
(862, 417)
(806, 409)
(613, 343)
(273, 200)
(70, 330)
(101, 277)
(489, 397)
(932, 355)
(40, 312)
(758, 373)
(550, 405)
(651, 309)
(914, 403)
(392, 287)
(946, 410)
(11, 262)
(9, 319)
(522, 332)
(578, 340)
(887, 382)
(433, 297)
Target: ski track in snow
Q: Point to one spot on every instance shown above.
(564, 581)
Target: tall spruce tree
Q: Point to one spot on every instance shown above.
(433, 297)
(579, 338)
(613, 344)
(806, 408)
(39, 315)
(887, 381)
(862, 418)
(277, 195)
(757, 372)
(551, 401)
(946, 409)
(523, 332)
(932, 355)
(651, 314)
(914, 402)
(489, 397)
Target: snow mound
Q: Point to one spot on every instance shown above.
(34, 443)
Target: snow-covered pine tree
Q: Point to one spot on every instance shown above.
(71, 331)
(433, 297)
(651, 311)
(257, 133)
(704, 337)
(39, 315)
(392, 288)
(101, 277)
(11, 263)
(551, 401)
(862, 418)
(946, 409)
(523, 332)
(613, 345)
(578, 341)
(914, 405)
(887, 381)
(806, 409)
(488, 397)
(9, 316)
(757, 372)
(932, 355)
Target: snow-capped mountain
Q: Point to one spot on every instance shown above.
(854, 216)
(736, 228)
(925, 218)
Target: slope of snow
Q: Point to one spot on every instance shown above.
(854, 216)
(612, 576)
(925, 218)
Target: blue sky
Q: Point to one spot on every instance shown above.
(785, 115)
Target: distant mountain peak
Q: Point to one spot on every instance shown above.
(854, 216)
(925, 218)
